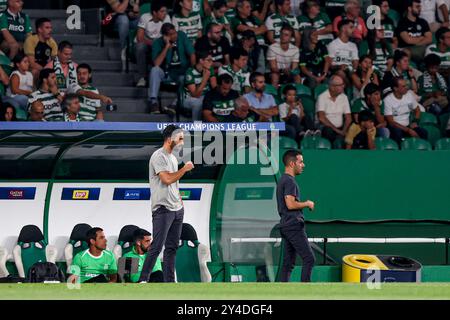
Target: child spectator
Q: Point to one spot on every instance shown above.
(291, 111)
(432, 86)
(362, 135)
(21, 82)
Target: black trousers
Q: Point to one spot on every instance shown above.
(296, 243)
(166, 232)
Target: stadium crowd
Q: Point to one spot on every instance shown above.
(325, 68)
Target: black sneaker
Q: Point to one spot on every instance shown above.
(154, 107)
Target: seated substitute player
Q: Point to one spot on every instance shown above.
(95, 264)
(142, 241)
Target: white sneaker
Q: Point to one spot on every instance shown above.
(317, 133)
(308, 133)
(141, 83)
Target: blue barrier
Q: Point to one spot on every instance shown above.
(139, 126)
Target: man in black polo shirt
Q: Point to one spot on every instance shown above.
(292, 222)
(216, 44)
(413, 32)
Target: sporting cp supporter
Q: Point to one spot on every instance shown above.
(49, 95)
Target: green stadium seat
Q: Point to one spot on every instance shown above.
(442, 144)
(303, 90)
(125, 241)
(385, 144)
(434, 134)
(443, 120)
(21, 114)
(415, 144)
(77, 242)
(31, 248)
(287, 143)
(394, 15)
(192, 257)
(315, 143)
(428, 118)
(145, 8)
(309, 105)
(319, 89)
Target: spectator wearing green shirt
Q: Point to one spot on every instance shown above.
(244, 21)
(15, 26)
(218, 16)
(142, 241)
(372, 102)
(282, 16)
(379, 49)
(186, 20)
(199, 80)
(432, 86)
(319, 21)
(172, 55)
(95, 264)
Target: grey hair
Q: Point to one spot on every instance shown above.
(334, 76)
(351, 3)
(239, 102)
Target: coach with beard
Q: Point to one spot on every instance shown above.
(166, 205)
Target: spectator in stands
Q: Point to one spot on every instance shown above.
(261, 103)
(334, 8)
(20, 83)
(429, 13)
(379, 49)
(172, 55)
(433, 87)
(199, 80)
(413, 32)
(49, 95)
(3, 5)
(283, 59)
(148, 30)
(142, 240)
(314, 60)
(15, 27)
(36, 111)
(387, 24)
(260, 9)
(372, 102)
(96, 264)
(442, 49)
(231, 9)
(242, 112)
(125, 14)
(292, 113)
(187, 21)
(398, 106)
(333, 110)
(40, 47)
(218, 17)
(201, 7)
(218, 103)
(65, 68)
(71, 107)
(362, 135)
(282, 16)
(7, 112)
(343, 52)
(313, 18)
(352, 13)
(256, 61)
(89, 96)
(402, 69)
(241, 79)
(364, 75)
(216, 44)
(244, 20)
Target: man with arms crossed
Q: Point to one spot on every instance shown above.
(167, 207)
(292, 222)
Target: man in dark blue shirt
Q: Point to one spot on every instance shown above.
(292, 223)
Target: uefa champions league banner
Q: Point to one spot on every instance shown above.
(141, 126)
